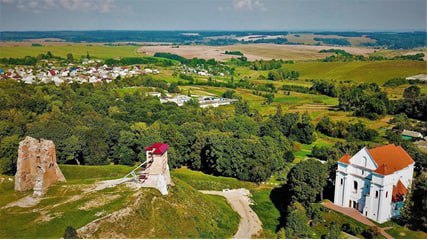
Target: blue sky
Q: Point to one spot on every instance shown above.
(334, 15)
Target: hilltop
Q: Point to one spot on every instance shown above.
(144, 213)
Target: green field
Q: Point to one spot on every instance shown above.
(77, 50)
(369, 71)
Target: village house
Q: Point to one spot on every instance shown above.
(374, 181)
(407, 134)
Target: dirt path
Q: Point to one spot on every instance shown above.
(353, 213)
(240, 201)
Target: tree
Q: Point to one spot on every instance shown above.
(173, 88)
(306, 181)
(414, 212)
(72, 150)
(70, 233)
(242, 108)
(412, 92)
(8, 154)
(70, 57)
(297, 222)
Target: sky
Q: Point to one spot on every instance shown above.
(281, 15)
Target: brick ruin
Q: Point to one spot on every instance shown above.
(36, 166)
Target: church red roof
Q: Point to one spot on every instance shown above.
(159, 148)
(390, 158)
(345, 159)
(398, 191)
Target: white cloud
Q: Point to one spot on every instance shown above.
(6, 1)
(249, 5)
(36, 6)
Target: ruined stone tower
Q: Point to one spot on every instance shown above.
(36, 166)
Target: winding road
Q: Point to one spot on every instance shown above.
(240, 201)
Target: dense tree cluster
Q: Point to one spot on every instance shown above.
(238, 53)
(349, 131)
(367, 100)
(334, 41)
(413, 104)
(325, 88)
(283, 74)
(262, 65)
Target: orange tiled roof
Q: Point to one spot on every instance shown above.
(390, 158)
(345, 159)
(398, 191)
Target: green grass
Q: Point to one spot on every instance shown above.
(202, 181)
(370, 71)
(77, 173)
(400, 232)
(77, 50)
(265, 209)
(184, 213)
(303, 150)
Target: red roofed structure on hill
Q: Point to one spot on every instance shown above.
(158, 148)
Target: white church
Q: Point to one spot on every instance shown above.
(374, 181)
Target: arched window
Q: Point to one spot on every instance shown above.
(377, 194)
(341, 181)
(355, 185)
(386, 195)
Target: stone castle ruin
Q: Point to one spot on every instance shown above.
(36, 166)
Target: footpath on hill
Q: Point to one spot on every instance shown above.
(357, 216)
(240, 201)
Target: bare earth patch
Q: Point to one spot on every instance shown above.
(25, 202)
(99, 201)
(253, 51)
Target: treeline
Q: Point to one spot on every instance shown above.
(262, 65)
(138, 60)
(348, 131)
(238, 53)
(333, 41)
(283, 74)
(190, 62)
(343, 56)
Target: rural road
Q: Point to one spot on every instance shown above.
(240, 201)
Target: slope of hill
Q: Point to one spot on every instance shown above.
(144, 213)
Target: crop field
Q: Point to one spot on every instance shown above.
(77, 50)
(253, 51)
(306, 38)
(376, 71)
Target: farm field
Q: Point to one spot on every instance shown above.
(253, 51)
(307, 38)
(376, 71)
(78, 50)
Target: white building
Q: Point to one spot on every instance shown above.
(374, 181)
(156, 174)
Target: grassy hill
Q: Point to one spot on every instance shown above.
(184, 213)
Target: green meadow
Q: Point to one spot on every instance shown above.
(368, 71)
(78, 50)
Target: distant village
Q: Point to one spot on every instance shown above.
(89, 71)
